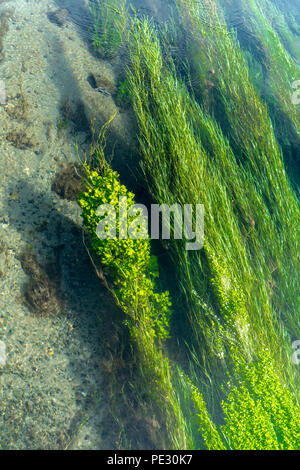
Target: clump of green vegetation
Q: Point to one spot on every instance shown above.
(123, 98)
(126, 261)
(109, 26)
(126, 270)
(259, 412)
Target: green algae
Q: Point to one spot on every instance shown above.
(206, 136)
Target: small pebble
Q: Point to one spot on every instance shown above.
(2, 353)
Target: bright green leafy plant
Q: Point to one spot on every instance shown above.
(129, 272)
(125, 261)
(258, 411)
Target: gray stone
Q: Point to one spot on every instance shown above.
(58, 17)
(2, 353)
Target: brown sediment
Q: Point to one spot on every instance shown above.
(73, 114)
(17, 107)
(3, 260)
(20, 139)
(67, 182)
(42, 293)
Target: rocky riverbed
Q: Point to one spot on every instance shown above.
(53, 309)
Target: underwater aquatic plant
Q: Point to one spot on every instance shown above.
(178, 139)
(259, 413)
(109, 25)
(245, 120)
(229, 304)
(123, 98)
(129, 273)
(271, 67)
(232, 307)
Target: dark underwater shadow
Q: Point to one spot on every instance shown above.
(97, 322)
(80, 16)
(55, 240)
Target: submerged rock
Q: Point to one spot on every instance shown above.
(2, 353)
(67, 182)
(58, 17)
(103, 81)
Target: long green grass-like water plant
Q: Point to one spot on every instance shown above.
(272, 69)
(109, 25)
(240, 294)
(171, 153)
(229, 302)
(168, 121)
(244, 119)
(290, 10)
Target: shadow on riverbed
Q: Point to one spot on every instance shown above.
(56, 251)
(56, 240)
